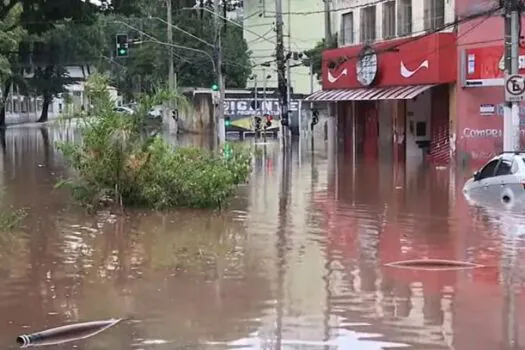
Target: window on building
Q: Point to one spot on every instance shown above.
(434, 14)
(389, 19)
(348, 28)
(404, 17)
(368, 24)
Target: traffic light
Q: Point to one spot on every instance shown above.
(227, 151)
(122, 45)
(315, 118)
(227, 122)
(284, 119)
(257, 120)
(268, 120)
(215, 87)
(175, 114)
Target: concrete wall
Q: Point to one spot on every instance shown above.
(199, 118)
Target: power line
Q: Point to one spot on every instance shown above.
(313, 12)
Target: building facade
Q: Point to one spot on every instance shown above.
(392, 81)
(303, 29)
(480, 97)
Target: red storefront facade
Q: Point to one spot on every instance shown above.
(481, 103)
(401, 107)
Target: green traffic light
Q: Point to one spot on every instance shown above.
(227, 122)
(215, 87)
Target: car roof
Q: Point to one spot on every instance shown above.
(518, 153)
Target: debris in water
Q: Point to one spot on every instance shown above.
(65, 334)
(434, 264)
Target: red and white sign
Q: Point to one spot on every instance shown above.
(484, 66)
(426, 59)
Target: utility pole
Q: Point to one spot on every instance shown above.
(289, 58)
(511, 116)
(327, 24)
(281, 68)
(219, 110)
(171, 71)
(331, 107)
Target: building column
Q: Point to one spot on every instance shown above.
(331, 121)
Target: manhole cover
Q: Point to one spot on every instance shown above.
(434, 264)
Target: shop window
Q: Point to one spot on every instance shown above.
(368, 24)
(404, 17)
(348, 28)
(389, 19)
(434, 14)
(421, 129)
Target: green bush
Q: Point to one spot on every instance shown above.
(116, 163)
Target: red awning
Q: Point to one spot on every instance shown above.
(407, 92)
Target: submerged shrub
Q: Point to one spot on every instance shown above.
(116, 162)
(10, 217)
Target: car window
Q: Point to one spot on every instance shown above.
(488, 170)
(504, 167)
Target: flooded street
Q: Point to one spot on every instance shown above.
(296, 262)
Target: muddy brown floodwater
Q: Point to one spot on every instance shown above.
(296, 262)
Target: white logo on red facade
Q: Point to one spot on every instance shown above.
(333, 79)
(406, 73)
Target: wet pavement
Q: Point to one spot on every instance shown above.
(296, 262)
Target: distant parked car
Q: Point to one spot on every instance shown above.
(124, 110)
(500, 179)
(155, 113)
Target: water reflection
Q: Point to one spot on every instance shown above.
(297, 262)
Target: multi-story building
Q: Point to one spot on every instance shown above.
(392, 81)
(303, 29)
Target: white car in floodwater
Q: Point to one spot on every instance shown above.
(500, 181)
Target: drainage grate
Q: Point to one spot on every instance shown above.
(434, 264)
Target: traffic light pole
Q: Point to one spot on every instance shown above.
(171, 68)
(219, 109)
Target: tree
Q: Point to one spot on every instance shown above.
(314, 56)
(66, 45)
(10, 70)
(147, 64)
(38, 18)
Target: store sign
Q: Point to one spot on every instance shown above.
(485, 66)
(487, 109)
(407, 61)
(242, 107)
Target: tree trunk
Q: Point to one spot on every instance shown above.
(3, 143)
(5, 94)
(45, 108)
(45, 140)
